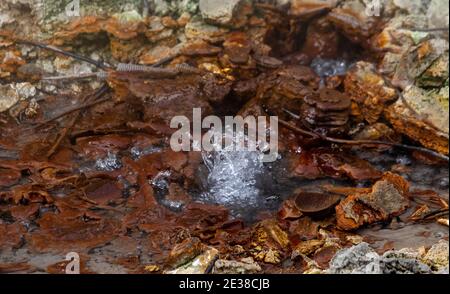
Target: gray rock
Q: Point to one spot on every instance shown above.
(417, 60)
(385, 197)
(219, 12)
(424, 65)
(412, 6)
(161, 7)
(11, 94)
(361, 259)
(438, 13)
(437, 256)
(8, 97)
(394, 262)
(430, 104)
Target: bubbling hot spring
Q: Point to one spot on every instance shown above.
(241, 181)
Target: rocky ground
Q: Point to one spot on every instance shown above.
(86, 97)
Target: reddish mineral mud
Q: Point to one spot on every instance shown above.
(86, 165)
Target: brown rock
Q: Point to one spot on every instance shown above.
(308, 9)
(200, 48)
(276, 233)
(324, 255)
(316, 204)
(195, 30)
(351, 19)
(304, 229)
(327, 111)
(156, 54)
(6, 268)
(377, 132)
(9, 177)
(369, 90)
(237, 47)
(157, 31)
(11, 236)
(307, 247)
(422, 116)
(319, 162)
(25, 212)
(388, 198)
(184, 252)
(160, 98)
(58, 233)
(286, 88)
(322, 39)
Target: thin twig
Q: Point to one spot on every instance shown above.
(98, 93)
(71, 111)
(362, 142)
(71, 77)
(435, 214)
(98, 64)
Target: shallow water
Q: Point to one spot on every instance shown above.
(237, 179)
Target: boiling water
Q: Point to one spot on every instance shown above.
(239, 180)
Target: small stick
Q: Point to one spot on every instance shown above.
(71, 111)
(435, 214)
(62, 52)
(156, 71)
(66, 130)
(71, 77)
(75, 135)
(361, 142)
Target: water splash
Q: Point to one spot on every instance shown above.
(232, 179)
(110, 163)
(136, 152)
(160, 181)
(235, 179)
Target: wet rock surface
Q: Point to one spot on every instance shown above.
(388, 198)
